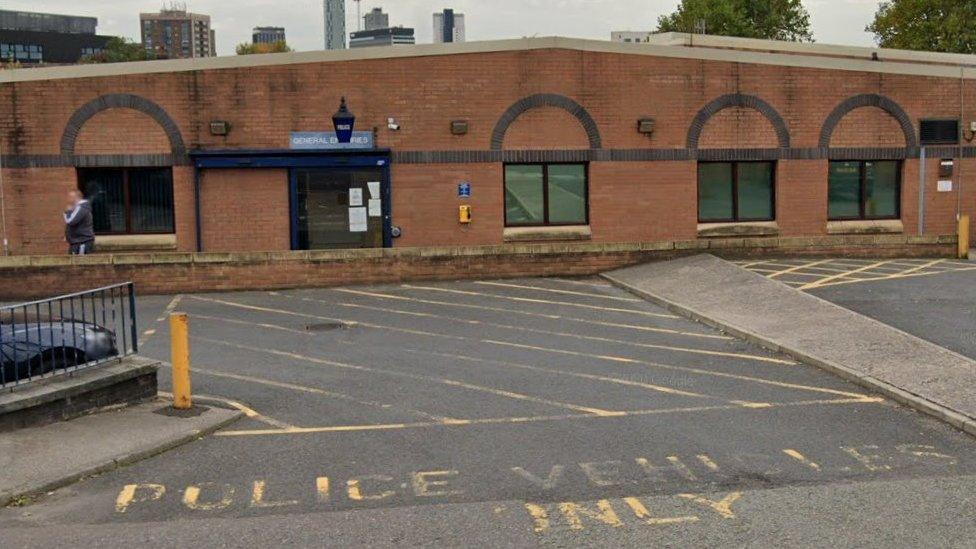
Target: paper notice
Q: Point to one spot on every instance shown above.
(357, 220)
(374, 189)
(375, 207)
(355, 197)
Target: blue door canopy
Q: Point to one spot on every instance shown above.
(289, 158)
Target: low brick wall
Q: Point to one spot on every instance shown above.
(23, 277)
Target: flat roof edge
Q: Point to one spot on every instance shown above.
(494, 46)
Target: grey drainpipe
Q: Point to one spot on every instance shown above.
(196, 206)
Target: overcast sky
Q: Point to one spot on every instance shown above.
(834, 21)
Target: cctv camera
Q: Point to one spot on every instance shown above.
(393, 126)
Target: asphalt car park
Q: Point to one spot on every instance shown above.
(509, 411)
(933, 298)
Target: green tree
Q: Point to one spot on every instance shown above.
(770, 19)
(931, 25)
(119, 50)
(275, 47)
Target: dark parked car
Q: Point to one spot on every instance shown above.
(32, 348)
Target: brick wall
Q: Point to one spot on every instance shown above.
(259, 223)
(629, 201)
(40, 276)
(115, 130)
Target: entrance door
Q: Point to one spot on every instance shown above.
(340, 208)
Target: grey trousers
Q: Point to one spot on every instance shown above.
(82, 248)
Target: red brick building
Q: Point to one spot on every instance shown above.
(556, 139)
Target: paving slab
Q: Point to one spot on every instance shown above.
(39, 459)
(904, 367)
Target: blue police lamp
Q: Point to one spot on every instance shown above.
(343, 120)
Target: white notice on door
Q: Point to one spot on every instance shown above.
(355, 197)
(375, 207)
(374, 189)
(357, 220)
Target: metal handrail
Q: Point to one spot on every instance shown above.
(67, 333)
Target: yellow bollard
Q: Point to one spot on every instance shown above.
(180, 349)
(963, 237)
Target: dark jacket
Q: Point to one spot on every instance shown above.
(79, 227)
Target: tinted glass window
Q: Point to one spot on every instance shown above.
(524, 195)
(863, 190)
(755, 190)
(131, 200)
(844, 190)
(567, 193)
(715, 192)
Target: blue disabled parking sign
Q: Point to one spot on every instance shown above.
(464, 190)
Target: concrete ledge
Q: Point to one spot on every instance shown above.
(900, 366)
(70, 395)
(128, 242)
(542, 234)
(881, 226)
(720, 230)
(37, 460)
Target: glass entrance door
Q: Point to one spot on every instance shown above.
(340, 208)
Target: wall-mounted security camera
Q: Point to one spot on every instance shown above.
(392, 124)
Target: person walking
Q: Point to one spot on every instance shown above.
(79, 230)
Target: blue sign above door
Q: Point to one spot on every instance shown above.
(329, 140)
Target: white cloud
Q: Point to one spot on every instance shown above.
(834, 21)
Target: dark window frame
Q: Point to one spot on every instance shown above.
(126, 194)
(735, 191)
(862, 191)
(545, 194)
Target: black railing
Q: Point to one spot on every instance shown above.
(67, 333)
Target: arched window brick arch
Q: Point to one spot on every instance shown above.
(743, 101)
(868, 100)
(545, 100)
(121, 101)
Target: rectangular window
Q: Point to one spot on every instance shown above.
(545, 194)
(130, 200)
(736, 191)
(864, 190)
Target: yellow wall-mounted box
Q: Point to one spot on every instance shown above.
(464, 214)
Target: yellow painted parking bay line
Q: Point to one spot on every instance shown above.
(531, 419)
(418, 377)
(431, 334)
(315, 390)
(256, 324)
(555, 291)
(594, 377)
(625, 360)
(841, 275)
(542, 301)
(674, 348)
(514, 311)
(243, 408)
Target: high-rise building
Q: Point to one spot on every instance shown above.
(376, 20)
(175, 33)
(32, 38)
(268, 35)
(335, 24)
(448, 27)
(392, 36)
